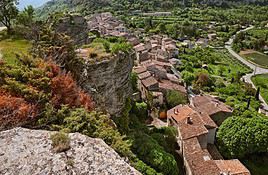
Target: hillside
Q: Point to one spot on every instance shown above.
(88, 7)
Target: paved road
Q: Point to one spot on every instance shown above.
(256, 69)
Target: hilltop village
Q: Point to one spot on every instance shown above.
(197, 121)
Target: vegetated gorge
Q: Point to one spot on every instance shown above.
(134, 87)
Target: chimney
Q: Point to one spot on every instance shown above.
(175, 111)
(189, 120)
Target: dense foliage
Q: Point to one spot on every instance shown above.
(8, 12)
(240, 136)
(155, 147)
(255, 39)
(217, 73)
(175, 98)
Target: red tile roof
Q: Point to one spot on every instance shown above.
(168, 85)
(187, 130)
(149, 81)
(140, 47)
(209, 105)
(144, 75)
(233, 167)
(139, 69)
(193, 129)
(199, 160)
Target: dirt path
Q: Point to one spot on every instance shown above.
(256, 69)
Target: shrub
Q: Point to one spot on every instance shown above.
(15, 111)
(238, 136)
(123, 47)
(66, 92)
(60, 142)
(175, 98)
(154, 155)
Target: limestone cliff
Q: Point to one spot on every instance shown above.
(108, 81)
(74, 26)
(25, 152)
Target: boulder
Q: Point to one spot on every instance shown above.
(24, 152)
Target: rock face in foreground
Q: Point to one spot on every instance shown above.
(24, 152)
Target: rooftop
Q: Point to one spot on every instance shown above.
(233, 167)
(189, 121)
(210, 105)
(168, 85)
(149, 81)
(139, 69)
(144, 75)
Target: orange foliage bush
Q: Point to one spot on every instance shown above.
(65, 91)
(14, 111)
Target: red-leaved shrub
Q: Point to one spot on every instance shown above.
(14, 111)
(65, 91)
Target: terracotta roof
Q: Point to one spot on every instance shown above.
(233, 167)
(193, 129)
(210, 105)
(149, 81)
(140, 47)
(208, 122)
(139, 69)
(187, 130)
(180, 112)
(168, 85)
(144, 75)
(161, 63)
(199, 160)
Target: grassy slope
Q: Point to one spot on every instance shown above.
(262, 82)
(258, 58)
(9, 47)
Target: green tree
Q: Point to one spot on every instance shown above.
(239, 136)
(188, 77)
(26, 16)
(8, 12)
(175, 98)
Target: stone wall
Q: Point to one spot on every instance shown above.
(30, 152)
(108, 81)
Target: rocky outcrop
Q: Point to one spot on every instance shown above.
(24, 152)
(74, 26)
(108, 81)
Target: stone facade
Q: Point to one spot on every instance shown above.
(25, 152)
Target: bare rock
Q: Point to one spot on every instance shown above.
(24, 152)
(108, 81)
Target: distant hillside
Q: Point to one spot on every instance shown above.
(91, 6)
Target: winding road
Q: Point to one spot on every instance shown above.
(256, 69)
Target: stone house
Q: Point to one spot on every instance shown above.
(217, 110)
(201, 42)
(191, 123)
(196, 132)
(148, 85)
